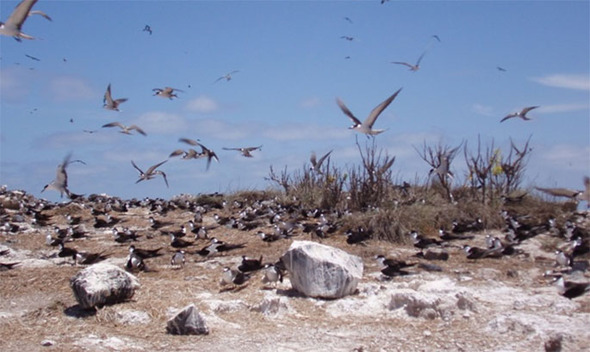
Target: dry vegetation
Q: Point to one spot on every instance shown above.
(36, 302)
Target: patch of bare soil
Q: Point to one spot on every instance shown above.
(471, 305)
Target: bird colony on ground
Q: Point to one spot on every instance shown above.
(267, 221)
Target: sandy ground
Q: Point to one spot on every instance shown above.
(501, 304)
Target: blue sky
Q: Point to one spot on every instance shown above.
(292, 65)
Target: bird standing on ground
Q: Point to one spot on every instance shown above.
(366, 127)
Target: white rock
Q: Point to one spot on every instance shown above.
(187, 322)
(317, 270)
(101, 284)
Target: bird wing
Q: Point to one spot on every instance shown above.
(559, 192)
(177, 152)
(108, 99)
(347, 112)
(240, 149)
(20, 13)
(190, 141)
(61, 177)
(527, 109)
(420, 59)
(159, 172)
(313, 159)
(37, 12)
(324, 158)
(379, 108)
(509, 116)
(403, 63)
(154, 167)
(136, 167)
(138, 129)
(114, 124)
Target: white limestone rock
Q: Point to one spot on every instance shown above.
(321, 271)
(187, 322)
(101, 284)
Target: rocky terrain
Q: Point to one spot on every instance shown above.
(489, 304)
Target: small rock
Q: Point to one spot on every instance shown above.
(47, 343)
(317, 270)
(101, 284)
(187, 322)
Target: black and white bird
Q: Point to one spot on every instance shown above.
(125, 129)
(250, 264)
(521, 114)
(392, 267)
(571, 289)
(366, 126)
(178, 259)
(272, 274)
(245, 151)
(150, 173)
(145, 253)
(13, 25)
(60, 183)
(317, 164)
(166, 92)
(233, 277)
(109, 103)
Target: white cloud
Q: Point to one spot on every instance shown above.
(558, 108)
(484, 110)
(570, 156)
(203, 105)
(157, 122)
(569, 81)
(310, 103)
(69, 88)
(305, 132)
(14, 84)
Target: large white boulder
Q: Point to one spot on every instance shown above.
(101, 284)
(321, 271)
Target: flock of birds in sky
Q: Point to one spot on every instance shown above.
(13, 27)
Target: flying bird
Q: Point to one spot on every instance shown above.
(227, 76)
(167, 92)
(125, 129)
(60, 183)
(205, 152)
(366, 127)
(150, 173)
(317, 164)
(13, 25)
(32, 57)
(522, 114)
(108, 101)
(348, 19)
(501, 69)
(349, 38)
(148, 29)
(245, 151)
(414, 67)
